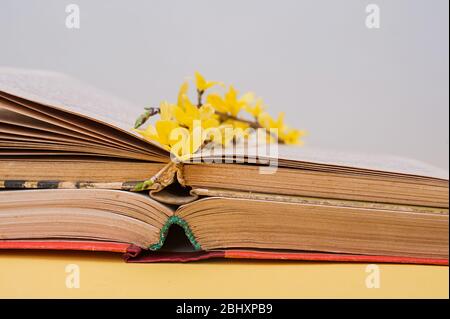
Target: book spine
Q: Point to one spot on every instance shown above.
(175, 220)
(26, 184)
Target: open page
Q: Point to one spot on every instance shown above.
(313, 158)
(62, 92)
(376, 162)
(65, 93)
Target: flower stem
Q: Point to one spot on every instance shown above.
(147, 184)
(253, 124)
(226, 116)
(199, 98)
(149, 112)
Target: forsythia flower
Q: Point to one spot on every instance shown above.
(202, 84)
(161, 131)
(187, 142)
(286, 134)
(256, 109)
(182, 94)
(167, 111)
(189, 113)
(184, 128)
(223, 135)
(230, 104)
(292, 136)
(267, 122)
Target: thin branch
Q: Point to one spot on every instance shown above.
(149, 112)
(253, 124)
(199, 98)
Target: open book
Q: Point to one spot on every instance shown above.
(70, 163)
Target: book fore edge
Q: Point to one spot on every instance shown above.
(175, 220)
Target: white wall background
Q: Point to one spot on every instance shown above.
(352, 88)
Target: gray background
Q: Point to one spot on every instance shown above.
(352, 88)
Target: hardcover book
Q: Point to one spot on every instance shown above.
(71, 166)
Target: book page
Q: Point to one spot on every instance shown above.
(314, 158)
(65, 93)
(376, 162)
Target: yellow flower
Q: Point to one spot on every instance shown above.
(187, 142)
(182, 93)
(167, 111)
(231, 103)
(202, 84)
(190, 113)
(180, 141)
(160, 132)
(183, 128)
(248, 98)
(221, 135)
(256, 109)
(217, 102)
(292, 136)
(284, 133)
(267, 122)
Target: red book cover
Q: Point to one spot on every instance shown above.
(134, 254)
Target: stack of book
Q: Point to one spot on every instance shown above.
(70, 165)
